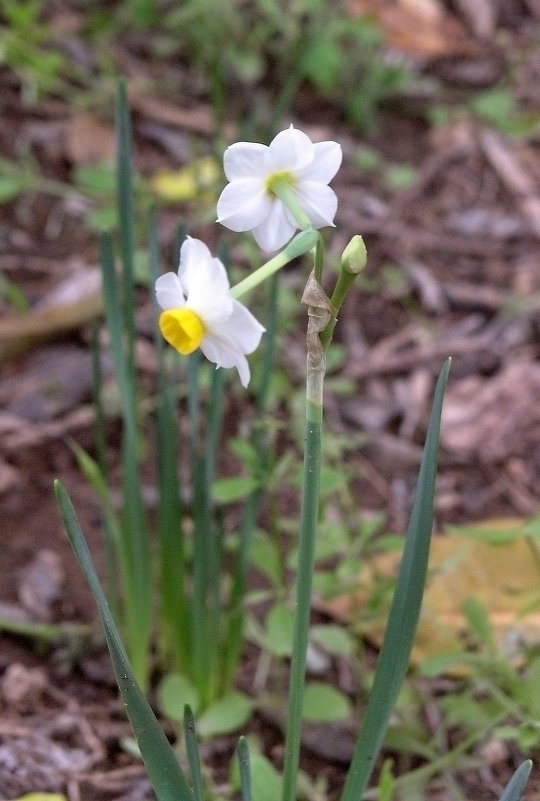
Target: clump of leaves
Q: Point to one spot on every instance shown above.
(496, 108)
(24, 47)
(344, 62)
(339, 55)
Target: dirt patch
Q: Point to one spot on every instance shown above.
(453, 270)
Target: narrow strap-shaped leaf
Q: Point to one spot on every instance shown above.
(100, 439)
(97, 399)
(174, 602)
(112, 535)
(192, 750)
(243, 762)
(134, 518)
(164, 772)
(235, 625)
(515, 787)
(404, 612)
(135, 533)
(126, 215)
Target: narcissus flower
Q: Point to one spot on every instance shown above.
(199, 312)
(257, 174)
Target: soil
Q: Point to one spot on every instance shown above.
(453, 270)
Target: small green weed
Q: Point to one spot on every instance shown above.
(25, 48)
(496, 108)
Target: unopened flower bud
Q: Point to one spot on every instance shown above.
(354, 256)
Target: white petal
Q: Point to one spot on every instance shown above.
(243, 370)
(243, 204)
(209, 295)
(169, 293)
(326, 162)
(222, 352)
(227, 343)
(289, 150)
(193, 254)
(199, 271)
(242, 327)
(225, 355)
(276, 230)
(244, 160)
(318, 201)
(213, 308)
(194, 250)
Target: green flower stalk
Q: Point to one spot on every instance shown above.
(320, 312)
(300, 244)
(353, 262)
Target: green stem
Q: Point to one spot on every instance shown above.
(299, 245)
(343, 284)
(318, 261)
(353, 261)
(50, 633)
(306, 556)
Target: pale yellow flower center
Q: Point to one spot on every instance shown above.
(277, 179)
(183, 329)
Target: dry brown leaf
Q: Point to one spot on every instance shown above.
(41, 583)
(75, 302)
(10, 477)
(480, 16)
(23, 686)
(503, 577)
(89, 140)
(418, 27)
(198, 119)
(493, 418)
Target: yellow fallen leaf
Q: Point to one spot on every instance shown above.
(198, 180)
(495, 564)
(41, 797)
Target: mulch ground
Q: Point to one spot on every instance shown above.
(453, 270)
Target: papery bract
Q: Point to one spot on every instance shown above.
(198, 311)
(248, 203)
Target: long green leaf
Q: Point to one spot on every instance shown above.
(192, 751)
(135, 533)
(245, 773)
(175, 639)
(164, 772)
(97, 399)
(135, 522)
(126, 214)
(112, 535)
(234, 636)
(515, 787)
(404, 613)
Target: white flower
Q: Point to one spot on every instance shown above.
(199, 312)
(248, 202)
